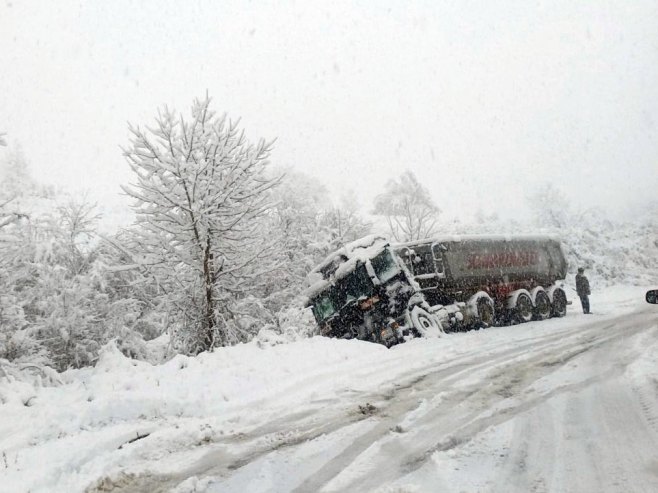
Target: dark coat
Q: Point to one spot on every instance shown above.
(582, 285)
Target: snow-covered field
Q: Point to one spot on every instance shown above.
(566, 404)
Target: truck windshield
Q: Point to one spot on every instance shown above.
(423, 263)
(354, 286)
(385, 266)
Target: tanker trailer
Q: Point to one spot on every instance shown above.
(499, 279)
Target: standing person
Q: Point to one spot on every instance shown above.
(582, 288)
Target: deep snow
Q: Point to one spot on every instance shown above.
(562, 405)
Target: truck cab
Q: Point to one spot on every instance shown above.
(361, 291)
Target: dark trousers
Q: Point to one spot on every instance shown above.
(584, 300)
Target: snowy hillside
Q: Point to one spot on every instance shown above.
(612, 251)
(560, 405)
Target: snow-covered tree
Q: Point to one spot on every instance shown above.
(344, 222)
(51, 310)
(295, 224)
(16, 271)
(410, 212)
(200, 197)
(58, 301)
(549, 206)
(308, 225)
(15, 183)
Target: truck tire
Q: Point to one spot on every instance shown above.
(523, 308)
(424, 323)
(542, 304)
(486, 312)
(559, 305)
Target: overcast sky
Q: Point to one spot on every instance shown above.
(484, 101)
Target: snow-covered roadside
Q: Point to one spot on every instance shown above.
(167, 424)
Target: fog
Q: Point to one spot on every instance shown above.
(483, 103)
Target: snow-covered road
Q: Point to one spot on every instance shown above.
(562, 405)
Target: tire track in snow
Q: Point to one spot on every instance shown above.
(308, 425)
(589, 422)
(456, 428)
(440, 383)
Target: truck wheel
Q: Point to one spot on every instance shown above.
(542, 305)
(426, 324)
(559, 303)
(523, 308)
(486, 313)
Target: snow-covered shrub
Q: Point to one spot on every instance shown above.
(296, 322)
(59, 303)
(292, 323)
(19, 381)
(249, 315)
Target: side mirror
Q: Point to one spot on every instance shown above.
(652, 296)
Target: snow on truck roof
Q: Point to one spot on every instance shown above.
(465, 238)
(343, 261)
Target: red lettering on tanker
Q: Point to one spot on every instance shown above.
(501, 259)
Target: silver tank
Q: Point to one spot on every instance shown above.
(465, 260)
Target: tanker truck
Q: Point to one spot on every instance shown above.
(387, 293)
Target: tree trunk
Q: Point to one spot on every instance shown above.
(209, 325)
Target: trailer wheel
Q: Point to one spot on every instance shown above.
(542, 305)
(486, 313)
(559, 303)
(523, 308)
(426, 324)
